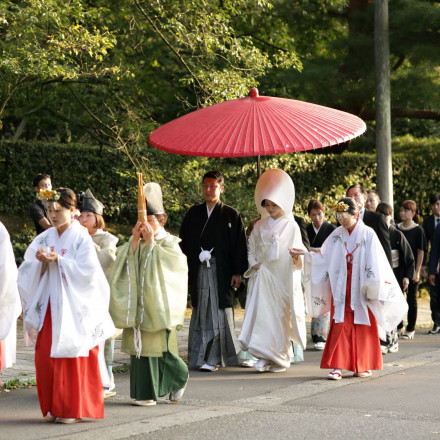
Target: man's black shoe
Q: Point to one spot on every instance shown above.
(435, 329)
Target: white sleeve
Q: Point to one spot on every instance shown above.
(316, 284)
(9, 299)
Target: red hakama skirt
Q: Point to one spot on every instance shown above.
(67, 387)
(350, 346)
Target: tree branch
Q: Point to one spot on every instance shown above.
(10, 92)
(282, 49)
(399, 63)
(164, 39)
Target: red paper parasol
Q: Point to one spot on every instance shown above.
(254, 126)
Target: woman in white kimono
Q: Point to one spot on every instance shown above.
(105, 245)
(275, 314)
(10, 306)
(65, 299)
(352, 278)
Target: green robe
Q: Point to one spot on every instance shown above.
(149, 293)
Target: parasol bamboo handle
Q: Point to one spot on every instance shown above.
(142, 207)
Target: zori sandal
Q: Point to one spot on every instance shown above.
(336, 374)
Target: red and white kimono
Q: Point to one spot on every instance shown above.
(10, 306)
(352, 278)
(68, 306)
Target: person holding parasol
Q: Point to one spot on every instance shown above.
(214, 241)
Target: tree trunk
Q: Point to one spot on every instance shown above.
(383, 102)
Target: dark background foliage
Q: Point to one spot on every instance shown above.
(325, 177)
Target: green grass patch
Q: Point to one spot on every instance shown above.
(17, 383)
(121, 369)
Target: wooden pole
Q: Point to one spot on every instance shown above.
(383, 102)
(141, 203)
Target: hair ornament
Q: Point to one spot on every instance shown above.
(49, 195)
(340, 207)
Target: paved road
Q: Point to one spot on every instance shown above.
(399, 402)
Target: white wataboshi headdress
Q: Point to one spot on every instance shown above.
(277, 186)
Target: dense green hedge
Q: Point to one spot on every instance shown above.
(72, 166)
(111, 177)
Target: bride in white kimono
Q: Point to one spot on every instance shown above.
(275, 313)
(10, 305)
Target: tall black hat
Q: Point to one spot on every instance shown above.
(90, 204)
(153, 196)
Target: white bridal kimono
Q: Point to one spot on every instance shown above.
(10, 306)
(77, 288)
(373, 283)
(275, 312)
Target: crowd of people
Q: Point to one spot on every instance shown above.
(78, 291)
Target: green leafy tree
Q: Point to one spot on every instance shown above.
(336, 43)
(173, 56)
(44, 41)
(109, 72)
(216, 60)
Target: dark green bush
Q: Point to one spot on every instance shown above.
(20, 243)
(111, 177)
(73, 166)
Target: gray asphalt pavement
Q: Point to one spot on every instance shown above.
(399, 402)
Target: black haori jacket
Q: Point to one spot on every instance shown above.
(317, 239)
(224, 231)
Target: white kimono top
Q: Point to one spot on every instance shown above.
(77, 288)
(275, 312)
(10, 305)
(373, 283)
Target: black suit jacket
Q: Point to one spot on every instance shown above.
(317, 240)
(225, 233)
(429, 228)
(377, 222)
(435, 252)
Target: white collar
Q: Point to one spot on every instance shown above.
(272, 221)
(209, 211)
(161, 234)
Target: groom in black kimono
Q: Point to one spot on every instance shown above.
(214, 241)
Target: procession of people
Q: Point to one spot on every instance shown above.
(356, 277)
